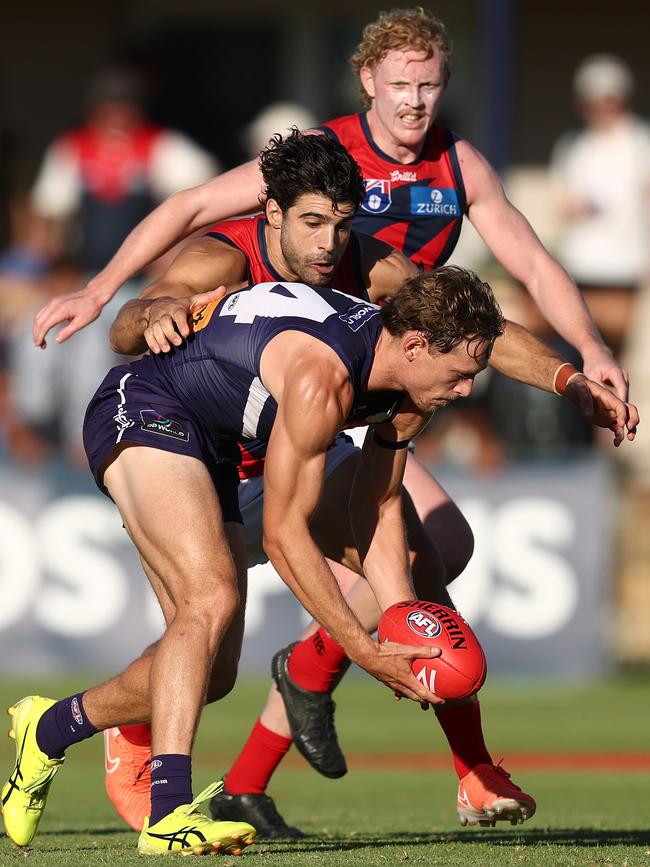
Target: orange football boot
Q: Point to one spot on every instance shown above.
(128, 777)
(487, 795)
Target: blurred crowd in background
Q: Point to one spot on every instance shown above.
(89, 147)
(591, 205)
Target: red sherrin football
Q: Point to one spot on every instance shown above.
(461, 669)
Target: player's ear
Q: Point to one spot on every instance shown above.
(273, 213)
(367, 81)
(413, 344)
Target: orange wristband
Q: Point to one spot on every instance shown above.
(563, 374)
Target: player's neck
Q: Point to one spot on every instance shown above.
(388, 143)
(274, 253)
(385, 364)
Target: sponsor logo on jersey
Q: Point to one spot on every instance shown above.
(434, 202)
(377, 198)
(407, 177)
(357, 316)
(166, 427)
(156, 764)
(423, 625)
(76, 712)
(233, 301)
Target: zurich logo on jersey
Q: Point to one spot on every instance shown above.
(377, 198)
(358, 315)
(434, 202)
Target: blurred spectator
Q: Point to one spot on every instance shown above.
(94, 185)
(48, 392)
(278, 117)
(98, 181)
(602, 174)
(23, 267)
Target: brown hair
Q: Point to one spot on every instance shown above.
(414, 29)
(447, 305)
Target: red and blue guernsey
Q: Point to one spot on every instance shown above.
(417, 207)
(247, 235)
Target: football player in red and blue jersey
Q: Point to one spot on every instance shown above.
(305, 234)
(418, 175)
(420, 181)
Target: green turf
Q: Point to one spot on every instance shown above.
(380, 817)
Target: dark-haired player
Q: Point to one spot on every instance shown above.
(312, 191)
(420, 180)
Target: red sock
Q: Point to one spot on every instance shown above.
(316, 661)
(462, 727)
(138, 735)
(254, 766)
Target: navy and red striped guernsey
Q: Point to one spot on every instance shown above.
(415, 207)
(247, 234)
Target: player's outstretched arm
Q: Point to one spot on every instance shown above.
(521, 356)
(511, 239)
(160, 318)
(312, 405)
(235, 192)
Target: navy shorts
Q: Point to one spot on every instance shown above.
(128, 409)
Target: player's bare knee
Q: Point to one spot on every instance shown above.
(209, 613)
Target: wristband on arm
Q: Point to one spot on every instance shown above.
(563, 376)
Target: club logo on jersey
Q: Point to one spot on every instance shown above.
(202, 315)
(377, 198)
(434, 202)
(158, 424)
(424, 625)
(357, 316)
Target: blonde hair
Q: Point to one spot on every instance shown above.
(413, 29)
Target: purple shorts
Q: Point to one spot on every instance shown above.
(128, 409)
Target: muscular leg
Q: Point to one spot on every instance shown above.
(125, 699)
(197, 573)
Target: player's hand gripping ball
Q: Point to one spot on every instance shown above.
(461, 669)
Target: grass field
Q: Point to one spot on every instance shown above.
(582, 751)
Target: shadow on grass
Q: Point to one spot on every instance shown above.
(587, 837)
(570, 837)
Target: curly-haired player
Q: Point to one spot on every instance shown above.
(420, 181)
